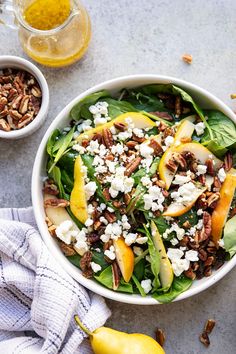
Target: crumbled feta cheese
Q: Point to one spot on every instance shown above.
(124, 135)
(180, 266)
(103, 220)
(146, 182)
(130, 238)
(199, 212)
(141, 240)
(95, 267)
(113, 230)
(99, 121)
(117, 149)
(93, 147)
(199, 128)
(169, 141)
(120, 183)
(186, 193)
(138, 132)
(180, 180)
(201, 170)
(85, 125)
(90, 209)
(178, 230)
(154, 199)
(65, 231)
(146, 285)
(80, 149)
(221, 174)
(90, 189)
(174, 241)
(100, 108)
(97, 161)
(110, 253)
(146, 151)
(191, 256)
(137, 250)
(81, 245)
(174, 253)
(125, 224)
(88, 222)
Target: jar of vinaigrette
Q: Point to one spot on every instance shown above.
(52, 32)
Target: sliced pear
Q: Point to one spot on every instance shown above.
(140, 121)
(220, 213)
(57, 215)
(166, 270)
(124, 257)
(185, 130)
(78, 202)
(177, 209)
(201, 153)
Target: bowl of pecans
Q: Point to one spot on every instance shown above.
(24, 97)
(133, 189)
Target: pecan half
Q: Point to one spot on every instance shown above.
(228, 161)
(180, 159)
(160, 337)
(172, 165)
(24, 104)
(15, 114)
(85, 264)
(216, 184)
(116, 276)
(107, 137)
(67, 249)
(190, 274)
(56, 203)
(204, 339)
(26, 119)
(93, 238)
(187, 58)
(164, 115)
(209, 326)
(4, 125)
(210, 167)
(213, 199)
(132, 166)
(98, 137)
(36, 92)
(156, 147)
(138, 139)
(106, 194)
(111, 217)
(50, 188)
(131, 144)
(162, 126)
(3, 102)
(120, 126)
(178, 106)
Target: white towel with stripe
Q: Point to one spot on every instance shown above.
(38, 299)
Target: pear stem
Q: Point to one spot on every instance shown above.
(81, 325)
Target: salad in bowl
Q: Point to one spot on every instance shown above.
(140, 190)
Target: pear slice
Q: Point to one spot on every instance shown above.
(166, 270)
(185, 130)
(220, 213)
(177, 209)
(57, 215)
(201, 153)
(139, 120)
(124, 258)
(78, 202)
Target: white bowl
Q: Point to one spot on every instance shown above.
(204, 98)
(9, 61)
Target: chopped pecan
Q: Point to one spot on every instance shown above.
(93, 238)
(190, 274)
(209, 326)
(180, 159)
(172, 165)
(4, 113)
(56, 203)
(162, 126)
(156, 147)
(202, 179)
(165, 193)
(98, 137)
(36, 92)
(110, 157)
(3, 102)
(178, 106)
(185, 139)
(120, 126)
(52, 230)
(228, 161)
(106, 194)
(67, 249)
(210, 260)
(85, 143)
(117, 203)
(24, 104)
(132, 166)
(160, 337)
(160, 183)
(26, 119)
(202, 254)
(204, 339)
(187, 224)
(216, 184)
(4, 125)
(205, 233)
(116, 276)
(131, 144)
(50, 188)
(164, 115)
(107, 137)
(187, 58)
(85, 264)
(111, 217)
(213, 199)
(202, 202)
(15, 104)
(12, 94)
(127, 198)
(208, 271)
(138, 139)
(15, 114)
(210, 167)
(97, 224)
(168, 132)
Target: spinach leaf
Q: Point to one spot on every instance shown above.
(152, 131)
(105, 278)
(144, 100)
(155, 258)
(51, 141)
(75, 260)
(230, 236)
(98, 257)
(179, 285)
(116, 107)
(139, 269)
(64, 143)
(67, 182)
(144, 254)
(81, 109)
(67, 162)
(223, 133)
(138, 286)
(190, 216)
(160, 222)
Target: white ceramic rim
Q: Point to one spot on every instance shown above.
(10, 61)
(37, 178)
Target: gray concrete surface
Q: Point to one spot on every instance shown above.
(138, 36)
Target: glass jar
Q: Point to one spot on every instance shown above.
(59, 46)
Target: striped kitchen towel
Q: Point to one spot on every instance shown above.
(38, 299)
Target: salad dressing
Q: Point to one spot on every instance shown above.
(59, 31)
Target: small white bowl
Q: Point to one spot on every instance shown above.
(202, 97)
(9, 61)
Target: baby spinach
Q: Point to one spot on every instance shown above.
(67, 182)
(75, 260)
(190, 216)
(138, 286)
(52, 141)
(139, 269)
(63, 144)
(160, 222)
(155, 258)
(223, 132)
(67, 162)
(81, 109)
(105, 278)
(179, 285)
(116, 108)
(230, 236)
